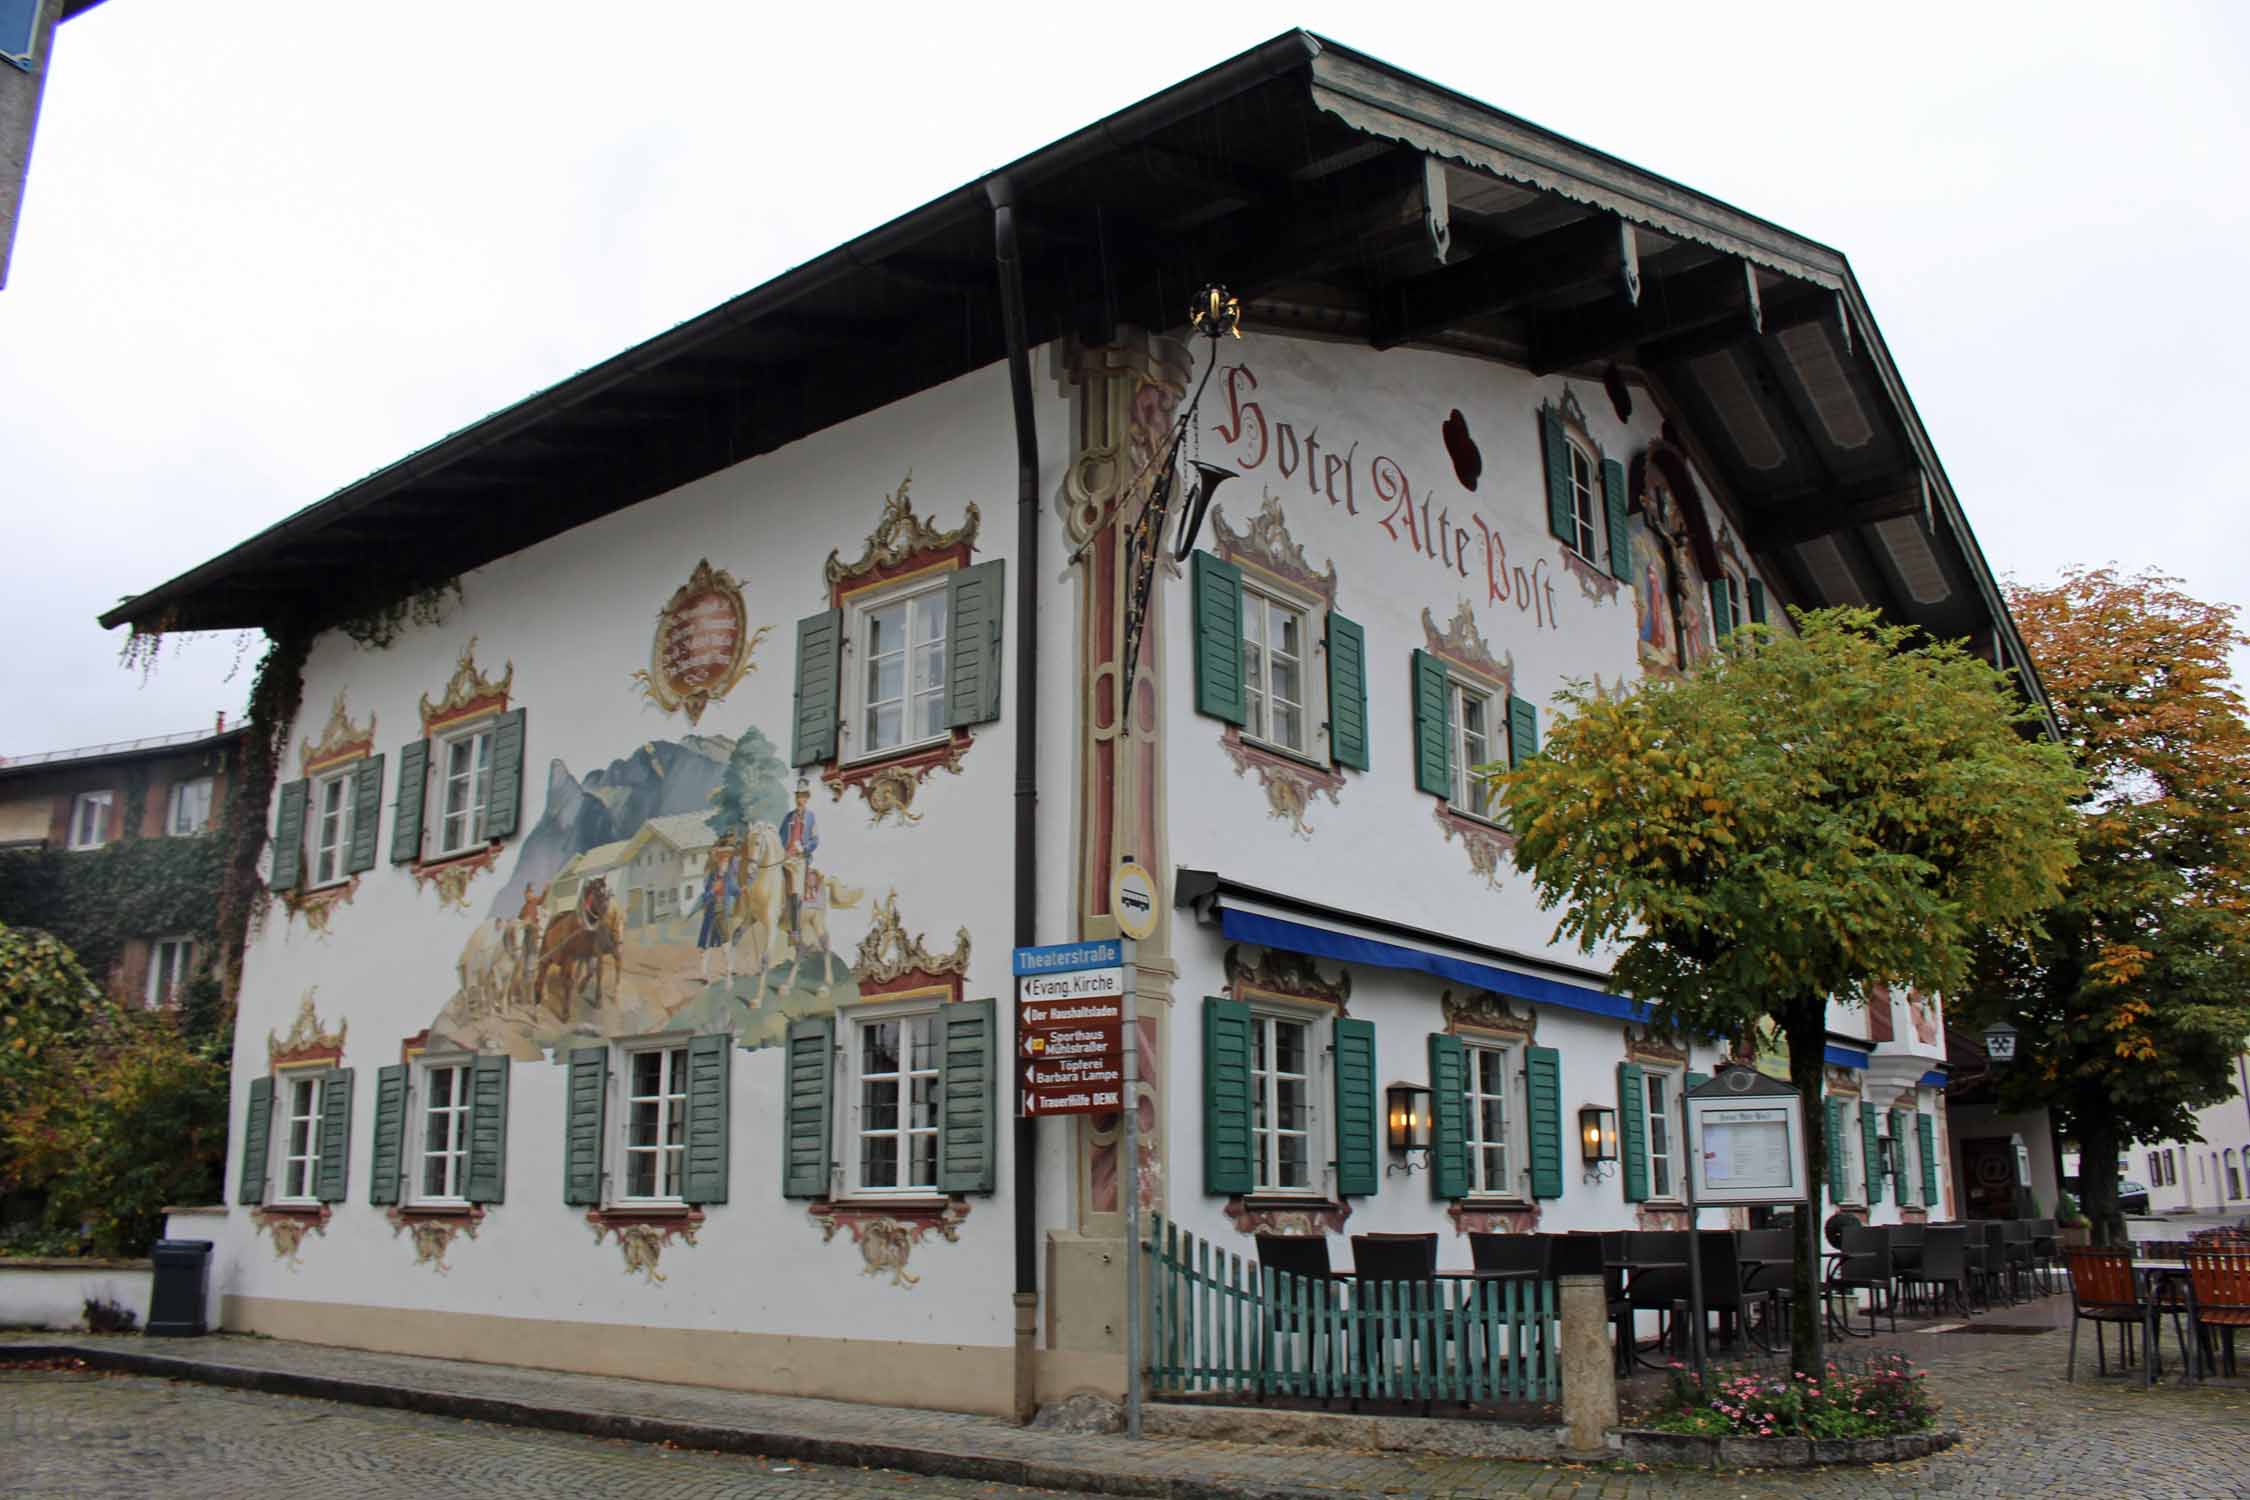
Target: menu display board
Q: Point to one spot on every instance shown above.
(1748, 1146)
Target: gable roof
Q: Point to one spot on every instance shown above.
(1320, 185)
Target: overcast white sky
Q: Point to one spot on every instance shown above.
(269, 246)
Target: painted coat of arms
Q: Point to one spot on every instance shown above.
(703, 644)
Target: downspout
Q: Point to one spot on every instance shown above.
(1001, 192)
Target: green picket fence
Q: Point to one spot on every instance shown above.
(1221, 1325)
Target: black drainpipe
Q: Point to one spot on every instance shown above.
(1010, 265)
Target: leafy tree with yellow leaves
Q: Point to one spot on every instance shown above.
(1806, 815)
(2134, 1000)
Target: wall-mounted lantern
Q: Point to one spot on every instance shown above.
(1409, 1107)
(1597, 1140)
(2000, 1043)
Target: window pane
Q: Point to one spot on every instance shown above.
(886, 678)
(1291, 1105)
(1289, 1046)
(878, 1042)
(878, 1161)
(929, 617)
(922, 1167)
(1295, 1169)
(886, 629)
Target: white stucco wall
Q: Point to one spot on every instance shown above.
(575, 616)
(50, 1295)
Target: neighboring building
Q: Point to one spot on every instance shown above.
(2210, 1175)
(1510, 413)
(113, 849)
(27, 44)
(2005, 1163)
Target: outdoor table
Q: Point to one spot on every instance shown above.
(2149, 1279)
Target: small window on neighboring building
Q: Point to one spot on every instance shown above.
(894, 1097)
(331, 827)
(89, 820)
(464, 790)
(1276, 682)
(1475, 723)
(2234, 1175)
(299, 1101)
(898, 691)
(190, 811)
(170, 961)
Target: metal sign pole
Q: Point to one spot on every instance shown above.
(1129, 1183)
(1694, 1243)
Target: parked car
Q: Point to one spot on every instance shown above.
(2132, 1197)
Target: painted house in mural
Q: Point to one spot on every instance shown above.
(636, 995)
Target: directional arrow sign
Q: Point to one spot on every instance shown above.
(1068, 1100)
(1106, 1071)
(1084, 1041)
(1058, 1015)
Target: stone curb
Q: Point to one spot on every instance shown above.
(1648, 1446)
(836, 1452)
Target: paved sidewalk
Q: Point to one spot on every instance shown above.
(2027, 1433)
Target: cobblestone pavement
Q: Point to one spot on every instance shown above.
(2026, 1434)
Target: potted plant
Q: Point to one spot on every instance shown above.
(2071, 1221)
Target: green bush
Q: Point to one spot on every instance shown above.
(1890, 1397)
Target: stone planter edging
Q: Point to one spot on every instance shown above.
(1648, 1446)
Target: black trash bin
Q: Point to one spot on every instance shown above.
(182, 1290)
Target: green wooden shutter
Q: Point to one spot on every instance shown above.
(257, 1119)
(1562, 517)
(1227, 1167)
(1898, 1154)
(406, 811)
(1722, 609)
(1449, 1116)
(1926, 1127)
(487, 1177)
(709, 1098)
(1359, 1116)
(582, 1125)
(1632, 1131)
(968, 1098)
(1433, 726)
(289, 835)
(383, 1161)
(1757, 602)
(1871, 1151)
(367, 814)
(504, 808)
(1523, 730)
(975, 604)
(334, 1174)
(1218, 639)
(820, 669)
(1347, 692)
(1832, 1135)
(808, 1094)
(1542, 1087)
(1613, 509)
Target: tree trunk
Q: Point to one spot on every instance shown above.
(1805, 1025)
(2097, 1176)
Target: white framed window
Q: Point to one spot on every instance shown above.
(1478, 725)
(1735, 616)
(464, 772)
(441, 1152)
(89, 819)
(1659, 1090)
(299, 1103)
(1284, 1102)
(1279, 687)
(892, 1077)
(655, 1121)
(1494, 1148)
(1848, 1137)
(190, 810)
(1905, 1151)
(897, 690)
(331, 827)
(170, 961)
(1585, 501)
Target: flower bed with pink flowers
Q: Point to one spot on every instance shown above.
(1750, 1418)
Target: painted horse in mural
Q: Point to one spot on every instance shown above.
(760, 909)
(822, 895)
(575, 944)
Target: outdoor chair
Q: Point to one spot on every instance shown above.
(1992, 1236)
(1906, 1251)
(1400, 1271)
(2046, 1253)
(2015, 1240)
(1865, 1268)
(2219, 1300)
(1767, 1258)
(1655, 1277)
(2104, 1291)
(1305, 1257)
(1941, 1273)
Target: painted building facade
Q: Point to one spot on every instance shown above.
(636, 996)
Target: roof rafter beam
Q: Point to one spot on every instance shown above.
(1594, 249)
(1845, 509)
(1723, 293)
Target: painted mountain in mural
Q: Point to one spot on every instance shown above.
(659, 778)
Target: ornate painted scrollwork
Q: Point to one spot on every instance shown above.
(468, 693)
(287, 1228)
(433, 1233)
(307, 1041)
(886, 1235)
(1277, 972)
(340, 741)
(899, 537)
(641, 1238)
(1267, 546)
(889, 952)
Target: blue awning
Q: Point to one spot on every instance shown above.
(1934, 1079)
(1324, 942)
(1845, 1057)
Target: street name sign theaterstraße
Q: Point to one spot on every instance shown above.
(1070, 1028)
